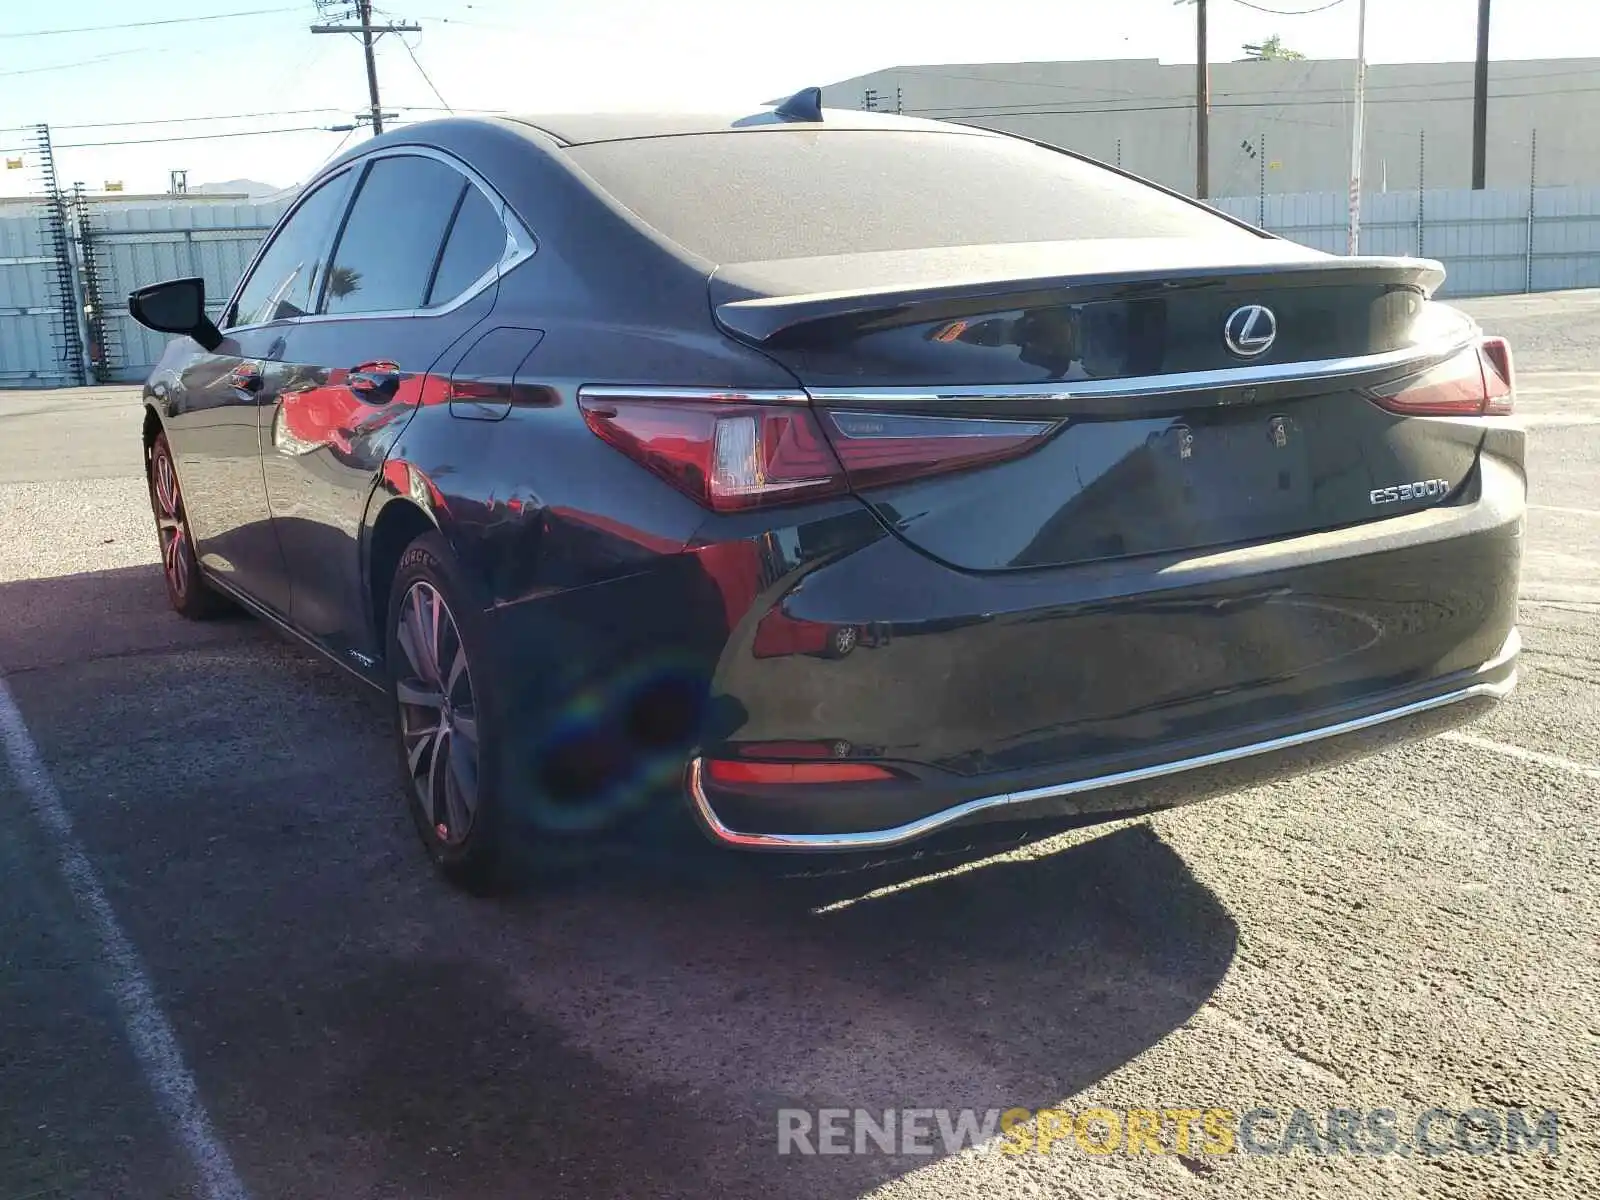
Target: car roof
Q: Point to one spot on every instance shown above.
(577, 129)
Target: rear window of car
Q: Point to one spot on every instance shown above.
(795, 193)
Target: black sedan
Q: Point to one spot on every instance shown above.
(840, 476)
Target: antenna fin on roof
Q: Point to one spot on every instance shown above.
(804, 105)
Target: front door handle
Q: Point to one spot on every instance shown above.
(375, 382)
(246, 377)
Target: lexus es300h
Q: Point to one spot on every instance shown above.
(843, 478)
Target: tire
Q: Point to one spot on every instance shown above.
(446, 723)
(187, 590)
(841, 641)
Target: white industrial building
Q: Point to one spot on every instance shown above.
(1276, 126)
(1280, 158)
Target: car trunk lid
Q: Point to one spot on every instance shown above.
(1161, 394)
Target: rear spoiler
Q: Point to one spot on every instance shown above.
(771, 319)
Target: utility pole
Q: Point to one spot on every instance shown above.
(1480, 101)
(1202, 107)
(1357, 129)
(1202, 103)
(364, 7)
(369, 34)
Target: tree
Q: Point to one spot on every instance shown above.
(1272, 49)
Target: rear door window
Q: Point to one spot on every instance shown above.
(387, 251)
(477, 241)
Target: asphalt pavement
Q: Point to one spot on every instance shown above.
(226, 971)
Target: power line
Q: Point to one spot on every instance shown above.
(161, 141)
(192, 137)
(1298, 90)
(255, 12)
(295, 187)
(72, 66)
(1000, 110)
(459, 21)
(1290, 12)
(1413, 83)
(349, 133)
(951, 111)
(158, 141)
(282, 112)
(424, 74)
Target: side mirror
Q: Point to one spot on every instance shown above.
(177, 306)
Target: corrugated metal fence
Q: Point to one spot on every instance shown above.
(29, 309)
(144, 245)
(1491, 241)
(124, 246)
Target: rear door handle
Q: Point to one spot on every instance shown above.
(375, 382)
(246, 377)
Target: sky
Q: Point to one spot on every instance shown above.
(205, 80)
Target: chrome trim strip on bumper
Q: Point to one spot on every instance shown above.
(1160, 385)
(899, 834)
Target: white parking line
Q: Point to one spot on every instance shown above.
(150, 1035)
(1534, 756)
(1557, 420)
(1579, 512)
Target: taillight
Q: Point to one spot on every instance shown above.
(879, 448)
(724, 450)
(723, 770)
(737, 450)
(1498, 375)
(1476, 382)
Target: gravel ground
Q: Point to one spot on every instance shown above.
(1409, 932)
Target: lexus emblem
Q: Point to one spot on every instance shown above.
(1250, 331)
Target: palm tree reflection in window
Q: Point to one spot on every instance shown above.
(343, 281)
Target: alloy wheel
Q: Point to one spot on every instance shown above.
(438, 713)
(176, 553)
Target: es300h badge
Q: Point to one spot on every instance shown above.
(1422, 489)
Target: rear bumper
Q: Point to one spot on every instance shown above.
(1110, 687)
(1122, 687)
(1108, 788)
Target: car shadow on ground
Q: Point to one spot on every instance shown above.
(652, 1024)
(359, 1029)
(121, 612)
